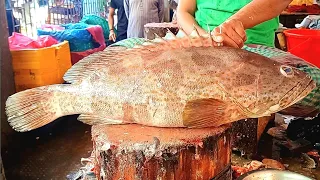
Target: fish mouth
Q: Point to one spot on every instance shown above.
(304, 92)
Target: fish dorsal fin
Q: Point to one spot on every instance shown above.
(181, 40)
(181, 34)
(173, 40)
(110, 55)
(194, 33)
(183, 37)
(169, 35)
(158, 39)
(87, 65)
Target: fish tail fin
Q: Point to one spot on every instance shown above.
(33, 108)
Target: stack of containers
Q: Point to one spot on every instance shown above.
(39, 67)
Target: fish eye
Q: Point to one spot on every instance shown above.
(287, 71)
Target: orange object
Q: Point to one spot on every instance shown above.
(301, 2)
(271, 163)
(304, 43)
(39, 67)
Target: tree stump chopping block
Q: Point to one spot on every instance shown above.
(131, 152)
(160, 29)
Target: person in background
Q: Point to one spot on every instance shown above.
(173, 4)
(122, 24)
(12, 22)
(141, 12)
(233, 22)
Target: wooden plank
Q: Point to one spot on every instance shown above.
(150, 153)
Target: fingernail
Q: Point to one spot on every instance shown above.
(219, 38)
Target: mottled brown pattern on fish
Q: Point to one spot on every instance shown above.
(127, 113)
(168, 73)
(242, 79)
(150, 56)
(205, 60)
(141, 113)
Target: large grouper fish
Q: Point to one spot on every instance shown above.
(176, 81)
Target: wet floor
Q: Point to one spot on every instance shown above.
(292, 164)
(49, 153)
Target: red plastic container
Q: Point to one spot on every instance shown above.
(304, 43)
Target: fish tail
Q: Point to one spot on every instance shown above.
(34, 108)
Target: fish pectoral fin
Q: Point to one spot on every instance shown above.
(209, 112)
(92, 119)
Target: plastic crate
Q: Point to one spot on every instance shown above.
(39, 67)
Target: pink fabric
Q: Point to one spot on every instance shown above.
(97, 34)
(19, 42)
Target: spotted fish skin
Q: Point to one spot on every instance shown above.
(174, 81)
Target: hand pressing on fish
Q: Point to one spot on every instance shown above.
(230, 33)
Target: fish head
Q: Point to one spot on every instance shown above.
(261, 86)
(296, 85)
(279, 86)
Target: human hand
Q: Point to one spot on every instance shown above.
(232, 33)
(112, 36)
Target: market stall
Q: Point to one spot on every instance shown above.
(169, 105)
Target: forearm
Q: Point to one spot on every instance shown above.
(187, 22)
(111, 21)
(258, 11)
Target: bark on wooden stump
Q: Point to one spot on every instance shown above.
(149, 153)
(160, 29)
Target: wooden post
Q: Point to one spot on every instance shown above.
(7, 81)
(149, 153)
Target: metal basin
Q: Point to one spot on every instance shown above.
(271, 174)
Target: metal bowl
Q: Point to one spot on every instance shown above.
(272, 174)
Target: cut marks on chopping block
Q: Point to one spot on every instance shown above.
(140, 152)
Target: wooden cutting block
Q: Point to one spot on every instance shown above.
(149, 153)
(160, 29)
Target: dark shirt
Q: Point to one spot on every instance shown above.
(122, 19)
